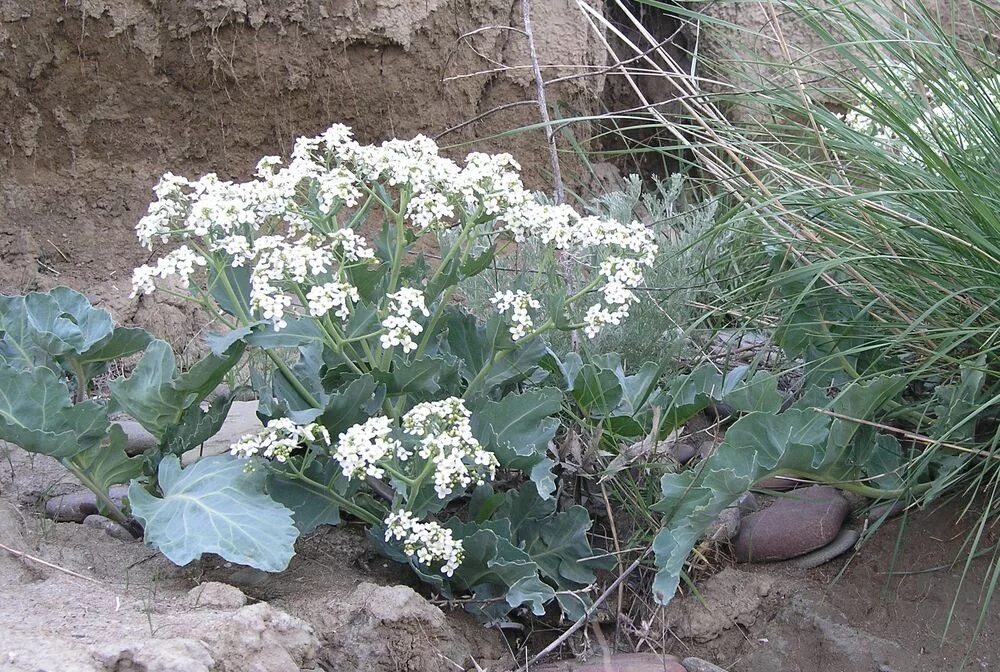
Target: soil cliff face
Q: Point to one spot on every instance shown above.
(100, 97)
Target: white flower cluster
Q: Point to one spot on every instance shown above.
(428, 542)
(333, 295)
(518, 303)
(331, 171)
(447, 441)
(399, 325)
(279, 439)
(362, 447)
(941, 113)
(179, 262)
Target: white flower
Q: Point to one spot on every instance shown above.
(447, 441)
(279, 439)
(333, 295)
(427, 542)
(429, 210)
(337, 186)
(518, 303)
(179, 262)
(352, 246)
(362, 447)
(399, 325)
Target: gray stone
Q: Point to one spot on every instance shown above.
(844, 541)
(75, 507)
(139, 440)
(215, 595)
(113, 529)
(72, 508)
(886, 510)
(699, 665)
(725, 526)
(805, 520)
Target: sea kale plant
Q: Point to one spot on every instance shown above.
(384, 398)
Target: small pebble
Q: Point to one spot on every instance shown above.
(699, 665)
(112, 528)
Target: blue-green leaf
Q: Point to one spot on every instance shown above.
(215, 506)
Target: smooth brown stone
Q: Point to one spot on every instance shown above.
(805, 520)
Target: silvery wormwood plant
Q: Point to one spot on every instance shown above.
(383, 398)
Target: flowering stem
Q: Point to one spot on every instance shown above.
(328, 493)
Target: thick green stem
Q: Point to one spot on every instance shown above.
(114, 512)
(857, 488)
(327, 493)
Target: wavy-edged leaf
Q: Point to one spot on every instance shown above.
(107, 465)
(756, 446)
(37, 414)
(215, 506)
(157, 396)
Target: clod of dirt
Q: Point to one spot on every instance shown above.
(699, 665)
(215, 595)
(110, 527)
(618, 662)
(808, 519)
(392, 629)
(729, 599)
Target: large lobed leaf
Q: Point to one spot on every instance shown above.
(157, 396)
(215, 506)
(61, 327)
(37, 414)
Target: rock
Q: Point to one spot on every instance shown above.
(72, 508)
(684, 452)
(113, 529)
(844, 541)
(725, 526)
(157, 655)
(699, 665)
(261, 638)
(808, 519)
(747, 503)
(139, 440)
(618, 662)
(213, 594)
(886, 510)
(393, 629)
